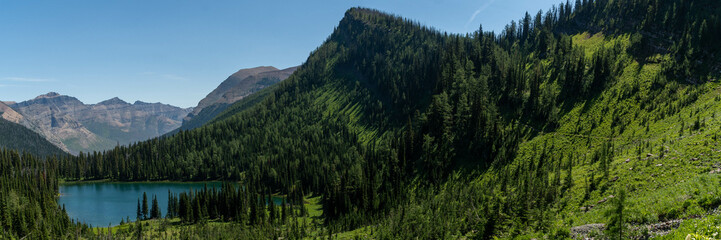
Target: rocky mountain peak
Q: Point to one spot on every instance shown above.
(48, 95)
(239, 85)
(113, 101)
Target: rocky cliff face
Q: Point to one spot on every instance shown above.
(96, 127)
(7, 113)
(237, 86)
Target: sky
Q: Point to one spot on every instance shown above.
(177, 51)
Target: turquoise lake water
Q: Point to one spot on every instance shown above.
(106, 203)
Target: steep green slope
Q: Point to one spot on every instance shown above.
(221, 111)
(407, 133)
(15, 136)
(204, 116)
(239, 106)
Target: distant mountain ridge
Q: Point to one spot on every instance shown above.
(18, 137)
(10, 115)
(74, 126)
(237, 86)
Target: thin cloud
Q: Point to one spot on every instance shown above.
(478, 11)
(24, 79)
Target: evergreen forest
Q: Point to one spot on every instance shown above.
(595, 118)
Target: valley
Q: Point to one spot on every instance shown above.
(593, 120)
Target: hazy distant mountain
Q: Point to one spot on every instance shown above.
(95, 127)
(9, 114)
(236, 87)
(18, 137)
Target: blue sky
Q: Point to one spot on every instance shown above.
(177, 51)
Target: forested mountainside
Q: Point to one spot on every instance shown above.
(28, 207)
(241, 84)
(406, 132)
(9, 114)
(16, 136)
(79, 127)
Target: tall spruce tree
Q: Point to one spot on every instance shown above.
(139, 212)
(145, 206)
(155, 209)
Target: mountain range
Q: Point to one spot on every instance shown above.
(74, 126)
(14, 135)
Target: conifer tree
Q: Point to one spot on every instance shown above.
(139, 212)
(155, 209)
(145, 206)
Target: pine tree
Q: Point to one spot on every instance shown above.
(145, 206)
(171, 202)
(139, 211)
(155, 209)
(186, 209)
(197, 210)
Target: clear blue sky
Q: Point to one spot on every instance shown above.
(176, 51)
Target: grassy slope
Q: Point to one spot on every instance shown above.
(173, 228)
(670, 177)
(219, 111)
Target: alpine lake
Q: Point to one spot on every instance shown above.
(103, 204)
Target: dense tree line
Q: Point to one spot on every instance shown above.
(232, 203)
(28, 188)
(142, 213)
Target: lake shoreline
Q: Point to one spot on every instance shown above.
(104, 202)
(107, 180)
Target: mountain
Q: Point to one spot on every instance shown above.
(598, 119)
(17, 137)
(236, 87)
(96, 127)
(7, 113)
(13, 116)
